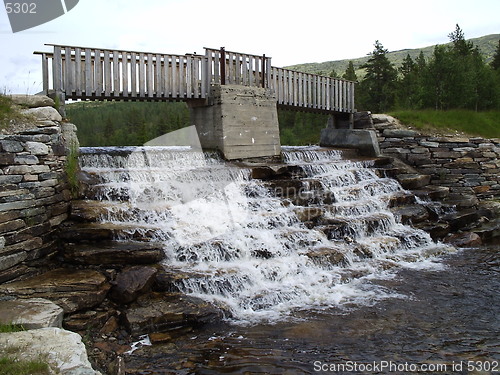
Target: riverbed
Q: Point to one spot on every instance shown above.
(444, 320)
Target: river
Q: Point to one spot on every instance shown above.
(446, 321)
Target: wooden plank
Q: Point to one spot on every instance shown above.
(196, 76)
(150, 76)
(125, 67)
(107, 79)
(116, 73)
(78, 71)
(216, 67)
(45, 73)
(182, 77)
(159, 82)
(174, 66)
(168, 75)
(205, 74)
(68, 71)
(99, 73)
(142, 75)
(189, 76)
(133, 74)
(88, 72)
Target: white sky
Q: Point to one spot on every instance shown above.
(291, 32)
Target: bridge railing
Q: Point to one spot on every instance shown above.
(312, 91)
(235, 68)
(90, 73)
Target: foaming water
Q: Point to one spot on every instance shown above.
(242, 247)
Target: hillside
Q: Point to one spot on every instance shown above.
(486, 44)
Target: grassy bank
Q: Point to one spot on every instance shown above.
(484, 124)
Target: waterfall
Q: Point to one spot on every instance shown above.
(263, 249)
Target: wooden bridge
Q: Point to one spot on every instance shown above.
(104, 74)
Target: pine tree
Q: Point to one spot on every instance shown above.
(350, 73)
(495, 64)
(378, 87)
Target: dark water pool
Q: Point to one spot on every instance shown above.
(448, 324)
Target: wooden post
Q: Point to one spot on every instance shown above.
(263, 70)
(222, 66)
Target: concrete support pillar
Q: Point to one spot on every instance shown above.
(240, 121)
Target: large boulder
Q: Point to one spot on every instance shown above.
(62, 350)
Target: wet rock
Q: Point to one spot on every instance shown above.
(327, 255)
(413, 181)
(72, 232)
(113, 253)
(87, 320)
(131, 283)
(279, 171)
(411, 214)
(435, 230)
(90, 210)
(31, 313)
(162, 312)
(467, 239)
(308, 213)
(432, 192)
(71, 289)
(461, 219)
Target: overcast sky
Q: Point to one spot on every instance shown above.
(291, 32)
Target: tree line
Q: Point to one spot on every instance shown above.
(454, 77)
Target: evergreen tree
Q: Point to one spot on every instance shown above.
(495, 64)
(334, 74)
(378, 87)
(350, 73)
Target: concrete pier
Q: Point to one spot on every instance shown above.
(240, 121)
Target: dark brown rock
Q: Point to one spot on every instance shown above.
(131, 283)
(113, 253)
(166, 311)
(71, 289)
(467, 239)
(90, 210)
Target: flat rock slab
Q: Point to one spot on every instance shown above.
(62, 350)
(109, 253)
(71, 289)
(31, 313)
(167, 311)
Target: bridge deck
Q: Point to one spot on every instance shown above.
(104, 74)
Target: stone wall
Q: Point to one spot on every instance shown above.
(34, 194)
(469, 166)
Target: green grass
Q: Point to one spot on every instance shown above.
(12, 366)
(8, 328)
(5, 111)
(485, 124)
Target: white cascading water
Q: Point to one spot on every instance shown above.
(247, 250)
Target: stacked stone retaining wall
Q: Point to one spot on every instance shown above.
(469, 166)
(34, 194)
